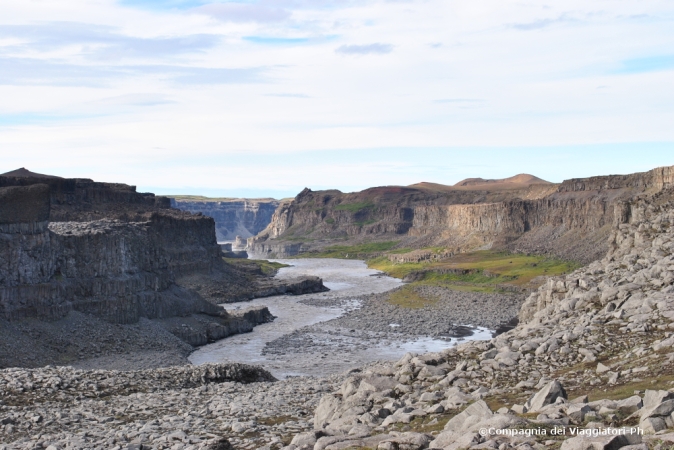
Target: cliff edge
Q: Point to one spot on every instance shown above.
(571, 220)
(86, 264)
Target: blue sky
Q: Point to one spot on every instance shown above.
(265, 97)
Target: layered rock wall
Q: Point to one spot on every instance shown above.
(571, 220)
(84, 199)
(114, 270)
(117, 270)
(240, 217)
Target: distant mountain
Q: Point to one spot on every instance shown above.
(517, 182)
(25, 173)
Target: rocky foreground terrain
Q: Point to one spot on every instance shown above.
(589, 367)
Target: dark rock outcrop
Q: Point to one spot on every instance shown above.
(104, 250)
(82, 199)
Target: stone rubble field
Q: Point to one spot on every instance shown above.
(593, 350)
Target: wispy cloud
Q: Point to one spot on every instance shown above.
(543, 23)
(288, 95)
(244, 12)
(162, 4)
(102, 42)
(270, 40)
(459, 100)
(367, 49)
(40, 118)
(137, 99)
(25, 71)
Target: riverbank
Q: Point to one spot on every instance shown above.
(357, 322)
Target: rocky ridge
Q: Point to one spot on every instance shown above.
(571, 220)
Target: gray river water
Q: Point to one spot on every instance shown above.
(347, 279)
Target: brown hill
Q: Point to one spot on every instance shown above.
(25, 173)
(516, 182)
(520, 181)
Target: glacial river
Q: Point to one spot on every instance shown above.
(346, 279)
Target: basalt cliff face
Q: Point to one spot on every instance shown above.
(571, 220)
(106, 252)
(233, 217)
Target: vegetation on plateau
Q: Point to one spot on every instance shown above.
(407, 297)
(259, 266)
(354, 207)
(482, 271)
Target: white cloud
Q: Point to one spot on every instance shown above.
(122, 87)
(367, 49)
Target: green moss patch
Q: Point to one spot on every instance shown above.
(485, 269)
(408, 297)
(354, 207)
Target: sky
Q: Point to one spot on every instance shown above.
(261, 98)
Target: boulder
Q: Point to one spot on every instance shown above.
(326, 408)
(406, 441)
(428, 397)
(452, 440)
(519, 409)
(306, 440)
(577, 412)
(349, 386)
(475, 413)
(546, 396)
(602, 368)
(377, 384)
(664, 409)
(630, 405)
(652, 425)
(600, 442)
(652, 398)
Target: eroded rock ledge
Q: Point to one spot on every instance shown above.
(77, 249)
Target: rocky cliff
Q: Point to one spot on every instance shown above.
(571, 220)
(82, 199)
(233, 217)
(106, 252)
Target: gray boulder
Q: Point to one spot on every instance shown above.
(327, 407)
(406, 441)
(475, 413)
(306, 440)
(630, 405)
(652, 425)
(664, 409)
(600, 442)
(652, 398)
(546, 396)
(452, 440)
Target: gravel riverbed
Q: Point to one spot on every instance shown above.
(354, 324)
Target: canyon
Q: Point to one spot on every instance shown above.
(591, 352)
(102, 255)
(588, 366)
(571, 220)
(233, 217)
